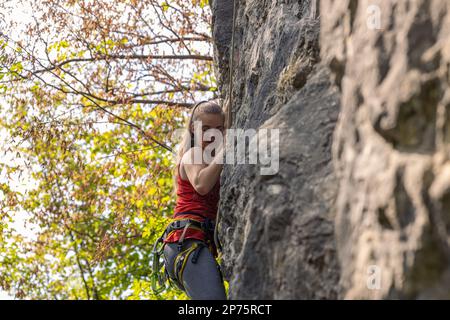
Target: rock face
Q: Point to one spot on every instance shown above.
(360, 206)
(391, 60)
(277, 230)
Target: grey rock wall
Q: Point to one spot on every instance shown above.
(277, 230)
(370, 194)
(391, 148)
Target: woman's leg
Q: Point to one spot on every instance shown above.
(202, 280)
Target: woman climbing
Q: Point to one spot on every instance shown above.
(189, 249)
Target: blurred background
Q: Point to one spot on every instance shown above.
(91, 93)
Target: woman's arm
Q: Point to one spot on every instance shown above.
(202, 177)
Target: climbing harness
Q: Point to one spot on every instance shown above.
(181, 260)
(160, 274)
(229, 113)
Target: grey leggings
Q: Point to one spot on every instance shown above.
(201, 280)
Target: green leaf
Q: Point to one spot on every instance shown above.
(164, 6)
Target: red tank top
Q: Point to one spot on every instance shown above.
(190, 200)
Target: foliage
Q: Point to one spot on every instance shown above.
(92, 93)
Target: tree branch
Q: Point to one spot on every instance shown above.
(126, 57)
